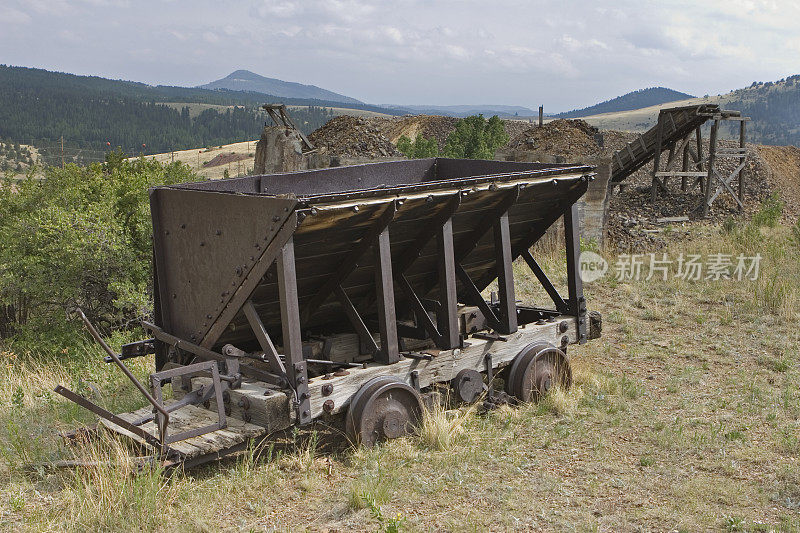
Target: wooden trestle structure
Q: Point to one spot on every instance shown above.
(678, 130)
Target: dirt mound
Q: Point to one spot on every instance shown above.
(782, 172)
(353, 137)
(562, 137)
(429, 126)
(224, 159)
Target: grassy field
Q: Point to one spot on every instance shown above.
(685, 416)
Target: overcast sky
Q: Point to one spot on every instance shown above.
(563, 54)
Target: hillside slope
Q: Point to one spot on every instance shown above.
(244, 80)
(632, 100)
(774, 108)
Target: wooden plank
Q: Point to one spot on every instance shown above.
(448, 298)
(384, 292)
(505, 275)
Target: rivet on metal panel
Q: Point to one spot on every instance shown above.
(355, 208)
(218, 232)
(183, 226)
(313, 211)
(564, 341)
(563, 326)
(202, 243)
(429, 198)
(327, 389)
(492, 186)
(174, 296)
(276, 218)
(166, 232)
(209, 317)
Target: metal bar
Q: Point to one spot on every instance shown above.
(577, 303)
(270, 353)
(250, 282)
(420, 311)
(172, 340)
(473, 296)
(384, 291)
(505, 274)
(355, 319)
(448, 297)
(561, 305)
(290, 324)
(156, 405)
(111, 417)
(350, 263)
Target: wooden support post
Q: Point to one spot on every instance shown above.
(685, 166)
(505, 274)
(657, 157)
(742, 131)
(290, 325)
(699, 138)
(712, 153)
(448, 321)
(541, 116)
(576, 301)
(384, 290)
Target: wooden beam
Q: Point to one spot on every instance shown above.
(420, 312)
(576, 301)
(657, 158)
(712, 151)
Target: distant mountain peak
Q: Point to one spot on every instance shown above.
(245, 80)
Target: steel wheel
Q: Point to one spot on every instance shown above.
(383, 408)
(538, 368)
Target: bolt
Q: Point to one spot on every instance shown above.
(219, 232)
(327, 389)
(306, 413)
(244, 402)
(563, 326)
(328, 406)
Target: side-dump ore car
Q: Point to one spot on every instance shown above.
(281, 299)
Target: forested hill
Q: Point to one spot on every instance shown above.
(632, 100)
(244, 80)
(774, 108)
(37, 106)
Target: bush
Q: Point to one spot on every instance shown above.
(419, 148)
(78, 236)
(476, 138)
(770, 212)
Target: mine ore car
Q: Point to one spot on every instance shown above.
(282, 299)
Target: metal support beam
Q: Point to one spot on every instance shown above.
(448, 316)
(290, 324)
(561, 305)
(270, 353)
(384, 290)
(420, 312)
(355, 319)
(474, 297)
(576, 301)
(350, 263)
(505, 274)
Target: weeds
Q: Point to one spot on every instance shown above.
(769, 213)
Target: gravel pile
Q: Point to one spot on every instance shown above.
(569, 138)
(353, 137)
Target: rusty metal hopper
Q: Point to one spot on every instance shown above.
(215, 241)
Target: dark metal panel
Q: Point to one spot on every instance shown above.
(448, 321)
(205, 243)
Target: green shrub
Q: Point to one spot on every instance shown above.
(476, 138)
(78, 236)
(770, 212)
(419, 148)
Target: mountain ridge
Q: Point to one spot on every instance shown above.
(245, 80)
(629, 101)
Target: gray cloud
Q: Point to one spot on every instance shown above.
(561, 54)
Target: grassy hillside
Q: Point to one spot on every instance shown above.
(633, 100)
(774, 108)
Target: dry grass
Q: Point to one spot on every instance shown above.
(683, 417)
